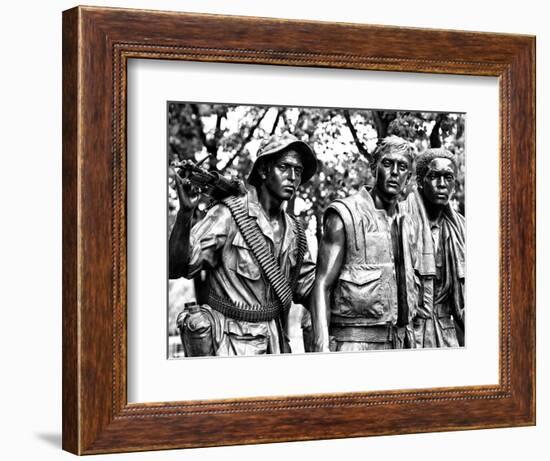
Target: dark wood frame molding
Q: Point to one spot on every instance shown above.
(97, 43)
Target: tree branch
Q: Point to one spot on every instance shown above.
(276, 122)
(212, 145)
(285, 120)
(381, 126)
(213, 149)
(362, 150)
(435, 138)
(197, 119)
(245, 141)
(299, 119)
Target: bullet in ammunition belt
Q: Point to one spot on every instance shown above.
(242, 311)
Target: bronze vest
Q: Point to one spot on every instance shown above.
(366, 291)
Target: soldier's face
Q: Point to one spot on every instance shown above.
(438, 184)
(285, 175)
(392, 173)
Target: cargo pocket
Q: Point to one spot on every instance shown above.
(359, 292)
(245, 264)
(448, 332)
(246, 339)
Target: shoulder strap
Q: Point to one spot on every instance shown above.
(253, 237)
(346, 215)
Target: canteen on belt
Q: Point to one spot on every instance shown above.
(195, 325)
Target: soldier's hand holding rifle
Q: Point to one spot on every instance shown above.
(188, 196)
(178, 244)
(193, 180)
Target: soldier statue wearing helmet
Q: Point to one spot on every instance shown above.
(254, 252)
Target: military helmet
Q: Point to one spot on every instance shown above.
(277, 144)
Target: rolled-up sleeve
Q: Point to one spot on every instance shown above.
(207, 238)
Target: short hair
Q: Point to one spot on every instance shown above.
(394, 144)
(424, 159)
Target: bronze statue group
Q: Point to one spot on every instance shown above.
(389, 272)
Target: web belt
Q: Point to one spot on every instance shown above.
(241, 311)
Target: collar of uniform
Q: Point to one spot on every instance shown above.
(255, 210)
(253, 204)
(366, 194)
(437, 223)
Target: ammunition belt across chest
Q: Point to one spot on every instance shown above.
(255, 240)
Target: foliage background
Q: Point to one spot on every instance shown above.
(343, 139)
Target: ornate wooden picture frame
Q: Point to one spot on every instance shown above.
(97, 44)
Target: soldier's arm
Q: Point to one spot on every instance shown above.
(458, 311)
(191, 250)
(304, 283)
(329, 262)
(178, 245)
(460, 305)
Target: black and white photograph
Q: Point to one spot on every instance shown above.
(313, 229)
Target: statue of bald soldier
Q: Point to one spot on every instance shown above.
(244, 309)
(441, 249)
(366, 291)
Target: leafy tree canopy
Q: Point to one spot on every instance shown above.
(343, 139)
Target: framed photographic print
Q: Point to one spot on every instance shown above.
(281, 230)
